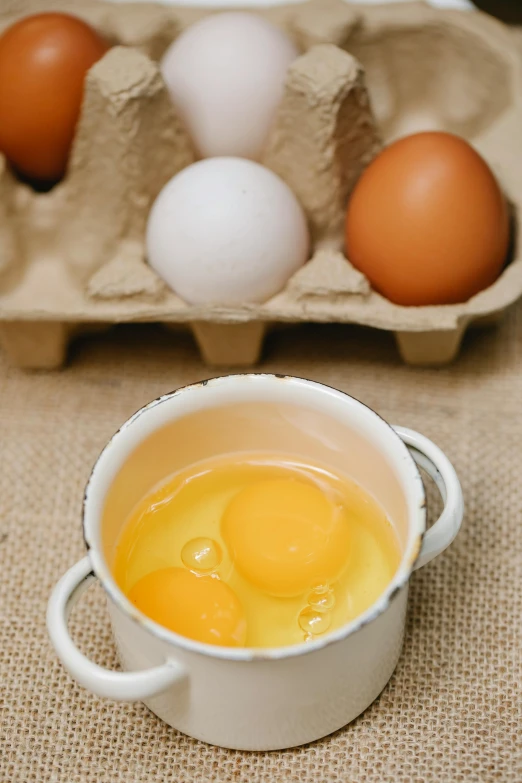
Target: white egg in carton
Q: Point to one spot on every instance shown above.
(74, 257)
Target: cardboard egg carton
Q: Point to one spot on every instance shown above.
(73, 258)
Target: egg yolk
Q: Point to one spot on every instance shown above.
(200, 607)
(286, 536)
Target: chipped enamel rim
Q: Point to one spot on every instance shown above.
(243, 388)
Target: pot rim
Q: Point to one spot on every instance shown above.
(416, 531)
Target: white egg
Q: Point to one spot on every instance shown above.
(226, 231)
(226, 76)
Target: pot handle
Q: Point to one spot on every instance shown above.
(431, 459)
(120, 686)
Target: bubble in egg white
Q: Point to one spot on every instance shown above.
(322, 599)
(312, 621)
(201, 555)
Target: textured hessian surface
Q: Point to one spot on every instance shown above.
(452, 711)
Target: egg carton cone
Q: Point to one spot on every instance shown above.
(73, 258)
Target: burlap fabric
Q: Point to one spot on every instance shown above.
(452, 711)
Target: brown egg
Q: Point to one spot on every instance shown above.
(43, 63)
(427, 222)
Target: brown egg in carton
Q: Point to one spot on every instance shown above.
(73, 258)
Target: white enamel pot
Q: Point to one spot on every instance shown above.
(246, 698)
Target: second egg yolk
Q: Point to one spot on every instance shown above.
(200, 607)
(286, 536)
